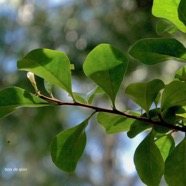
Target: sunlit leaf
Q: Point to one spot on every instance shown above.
(164, 26)
(51, 65)
(174, 95)
(182, 115)
(182, 12)
(106, 66)
(153, 51)
(175, 165)
(144, 93)
(67, 147)
(114, 123)
(13, 98)
(165, 144)
(168, 9)
(149, 162)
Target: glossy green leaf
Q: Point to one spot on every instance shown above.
(175, 165)
(13, 98)
(165, 26)
(106, 66)
(51, 65)
(181, 74)
(138, 127)
(149, 162)
(144, 94)
(165, 144)
(174, 95)
(114, 123)
(168, 9)
(67, 147)
(153, 51)
(182, 11)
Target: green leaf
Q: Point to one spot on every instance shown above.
(90, 95)
(138, 127)
(114, 123)
(175, 165)
(149, 162)
(165, 144)
(48, 87)
(87, 97)
(152, 51)
(51, 65)
(157, 100)
(165, 26)
(181, 74)
(13, 98)
(174, 95)
(144, 93)
(182, 12)
(106, 66)
(170, 115)
(168, 10)
(80, 97)
(68, 146)
(182, 115)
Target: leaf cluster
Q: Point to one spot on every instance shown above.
(163, 106)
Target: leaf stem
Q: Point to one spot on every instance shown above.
(114, 111)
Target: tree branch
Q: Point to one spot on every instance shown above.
(114, 111)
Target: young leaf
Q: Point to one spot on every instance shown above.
(153, 51)
(181, 74)
(182, 12)
(175, 165)
(137, 127)
(13, 98)
(165, 144)
(168, 10)
(90, 95)
(51, 65)
(48, 87)
(80, 97)
(87, 97)
(144, 93)
(149, 162)
(68, 146)
(174, 95)
(106, 66)
(114, 123)
(164, 26)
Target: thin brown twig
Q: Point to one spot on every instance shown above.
(114, 111)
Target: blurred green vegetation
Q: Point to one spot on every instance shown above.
(74, 27)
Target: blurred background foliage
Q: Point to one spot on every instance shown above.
(74, 27)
